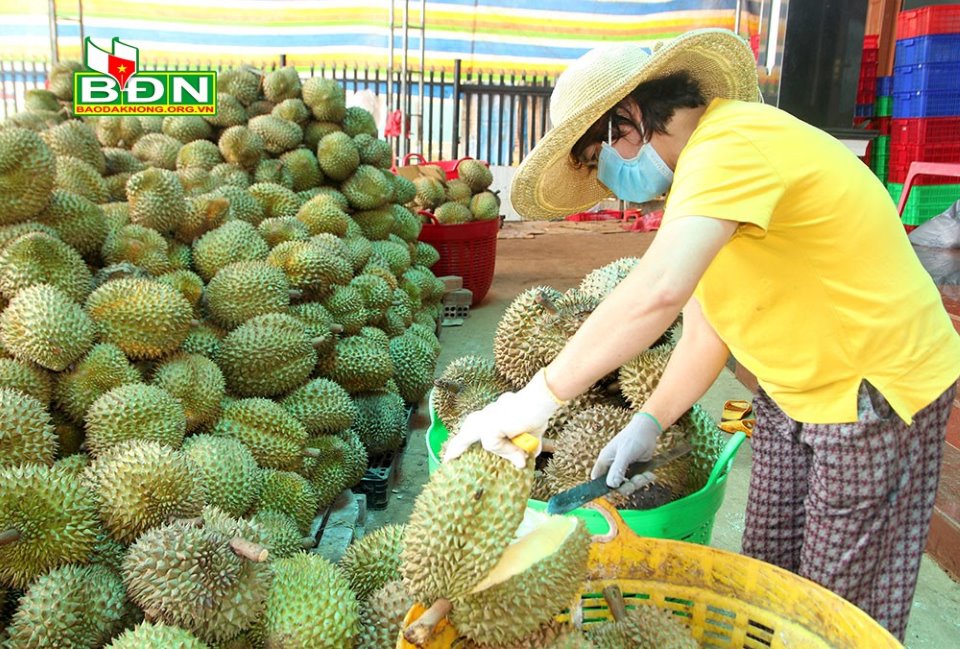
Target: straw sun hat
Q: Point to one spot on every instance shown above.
(547, 185)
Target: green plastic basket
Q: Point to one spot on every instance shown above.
(925, 201)
(883, 107)
(688, 519)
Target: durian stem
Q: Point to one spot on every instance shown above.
(613, 388)
(195, 323)
(249, 550)
(311, 452)
(295, 293)
(548, 445)
(614, 597)
(421, 631)
(336, 329)
(308, 542)
(447, 385)
(9, 536)
(192, 522)
(547, 304)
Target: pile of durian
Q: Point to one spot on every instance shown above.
(207, 327)
(459, 200)
(530, 334)
(473, 554)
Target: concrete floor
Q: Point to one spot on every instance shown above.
(559, 257)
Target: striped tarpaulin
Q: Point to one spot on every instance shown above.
(540, 36)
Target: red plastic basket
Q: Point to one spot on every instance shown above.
(936, 19)
(871, 41)
(923, 131)
(466, 249)
(450, 167)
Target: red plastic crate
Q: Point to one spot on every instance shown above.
(871, 41)
(901, 152)
(936, 19)
(870, 56)
(922, 131)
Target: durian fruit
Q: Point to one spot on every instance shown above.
(346, 305)
(282, 84)
(319, 323)
(357, 120)
(413, 362)
(206, 211)
(26, 432)
(290, 494)
(367, 188)
(376, 293)
(551, 635)
(381, 421)
(28, 379)
(641, 375)
(47, 519)
(359, 364)
(77, 220)
(80, 178)
(241, 146)
(516, 350)
(645, 626)
(196, 383)
(338, 156)
(458, 191)
(600, 282)
(276, 200)
(76, 139)
(188, 284)
(44, 326)
(134, 412)
(27, 173)
(442, 559)
(10, 232)
(157, 636)
(326, 99)
(145, 319)
(266, 356)
(580, 442)
(122, 160)
(304, 168)
(242, 84)
(484, 206)
(373, 561)
(355, 457)
(228, 470)
(211, 583)
(102, 369)
(322, 406)
(70, 606)
(322, 214)
(157, 150)
(373, 151)
(538, 576)
(38, 99)
(453, 213)
(244, 290)
(277, 230)
(312, 266)
(232, 242)
(140, 485)
(599, 394)
(280, 534)
(382, 615)
(292, 109)
(203, 339)
(308, 587)
(467, 384)
(73, 465)
(186, 128)
(199, 153)
(426, 254)
(61, 78)
(278, 135)
(118, 132)
(144, 247)
(328, 469)
(476, 174)
(274, 436)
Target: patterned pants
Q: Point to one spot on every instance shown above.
(848, 505)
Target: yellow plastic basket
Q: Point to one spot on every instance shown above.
(729, 601)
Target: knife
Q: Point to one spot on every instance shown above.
(636, 477)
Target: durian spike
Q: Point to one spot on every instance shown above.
(308, 542)
(447, 385)
(311, 452)
(421, 631)
(192, 522)
(249, 550)
(9, 536)
(547, 304)
(614, 597)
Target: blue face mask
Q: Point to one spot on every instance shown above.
(639, 179)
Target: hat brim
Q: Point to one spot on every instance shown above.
(547, 185)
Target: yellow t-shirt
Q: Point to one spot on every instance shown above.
(819, 288)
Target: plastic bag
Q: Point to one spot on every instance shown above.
(942, 231)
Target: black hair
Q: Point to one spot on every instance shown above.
(658, 99)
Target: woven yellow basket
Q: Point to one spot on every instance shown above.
(729, 601)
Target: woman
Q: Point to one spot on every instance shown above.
(778, 245)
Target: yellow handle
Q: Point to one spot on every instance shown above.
(527, 442)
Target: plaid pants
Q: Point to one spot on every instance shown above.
(848, 505)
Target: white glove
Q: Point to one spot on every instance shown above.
(635, 443)
(525, 411)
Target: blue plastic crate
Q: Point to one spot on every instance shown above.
(884, 86)
(926, 77)
(863, 110)
(938, 103)
(939, 48)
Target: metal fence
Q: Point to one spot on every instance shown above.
(493, 117)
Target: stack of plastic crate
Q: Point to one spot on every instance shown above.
(926, 107)
(867, 86)
(880, 146)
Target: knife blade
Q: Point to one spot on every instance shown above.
(568, 500)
